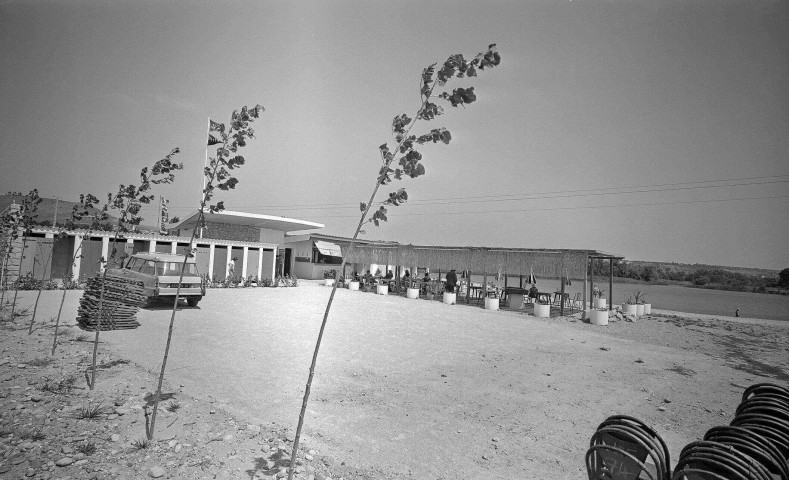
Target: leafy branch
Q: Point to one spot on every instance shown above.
(408, 164)
(218, 176)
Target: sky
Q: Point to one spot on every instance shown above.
(656, 130)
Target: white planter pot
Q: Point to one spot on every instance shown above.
(639, 309)
(543, 311)
(600, 303)
(353, 285)
(450, 298)
(629, 309)
(328, 282)
(598, 317)
(382, 289)
(412, 293)
(491, 303)
(647, 308)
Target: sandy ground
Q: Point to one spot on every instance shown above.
(417, 389)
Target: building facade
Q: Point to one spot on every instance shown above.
(234, 244)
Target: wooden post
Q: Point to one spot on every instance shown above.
(610, 283)
(521, 282)
(586, 278)
(591, 282)
(484, 290)
(561, 299)
(468, 288)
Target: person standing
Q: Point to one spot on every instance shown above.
(452, 281)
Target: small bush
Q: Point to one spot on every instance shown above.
(27, 282)
(59, 386)
(173, 406)
(140, 444)
(91, 412)
(112, 363)
(87, 448)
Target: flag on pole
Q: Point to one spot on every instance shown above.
(214, 127)
(165, 215)
(212, 140)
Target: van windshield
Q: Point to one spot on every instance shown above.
(174, 268)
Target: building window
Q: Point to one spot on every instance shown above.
(318, 257)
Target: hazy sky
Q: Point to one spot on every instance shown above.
(658, 130)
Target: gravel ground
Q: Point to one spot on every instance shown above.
(404, 388)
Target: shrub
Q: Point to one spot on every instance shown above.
(27, 282)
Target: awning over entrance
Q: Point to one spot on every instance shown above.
(330, 249)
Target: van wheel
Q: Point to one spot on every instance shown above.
(192, 302)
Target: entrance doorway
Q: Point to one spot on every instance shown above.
(286, 265)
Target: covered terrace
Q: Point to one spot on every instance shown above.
(488, 261)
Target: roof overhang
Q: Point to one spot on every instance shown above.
(269, 222)
(328, 248)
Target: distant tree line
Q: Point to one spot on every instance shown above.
(716, 278)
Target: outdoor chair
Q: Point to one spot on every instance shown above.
(766, 390)
(639, 440)
(751, 443)
(719, 459)
(576, 303)
(611, 462)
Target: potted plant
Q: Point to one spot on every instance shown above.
(353, 285)
(641, 306)
(542, 310)
(629, 308)
(599, 298)
(328, 277)
(598, 316)
(413, 289)
(492, 303)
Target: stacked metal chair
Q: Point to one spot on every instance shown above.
(624, 448)
(754, 447)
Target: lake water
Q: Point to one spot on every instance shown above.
(679, 298)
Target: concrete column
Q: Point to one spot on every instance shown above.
(105, 251)
(211, 261)
(229, 259)
(78, 259)
(260, 263)
(173, 247)
(152, 246)
(244, 262)
(274, 264)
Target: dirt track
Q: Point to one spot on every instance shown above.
(416, 389)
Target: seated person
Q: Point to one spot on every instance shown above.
(367, 279)
(452, 281)
(533, 291)
(389, 275)
(426, 278)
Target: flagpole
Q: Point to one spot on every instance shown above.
(205, 162)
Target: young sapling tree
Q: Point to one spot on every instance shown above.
(9, 229)
(217, 175)
(128, 201)
(26, 221)
(407, 160)
(85, 207)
